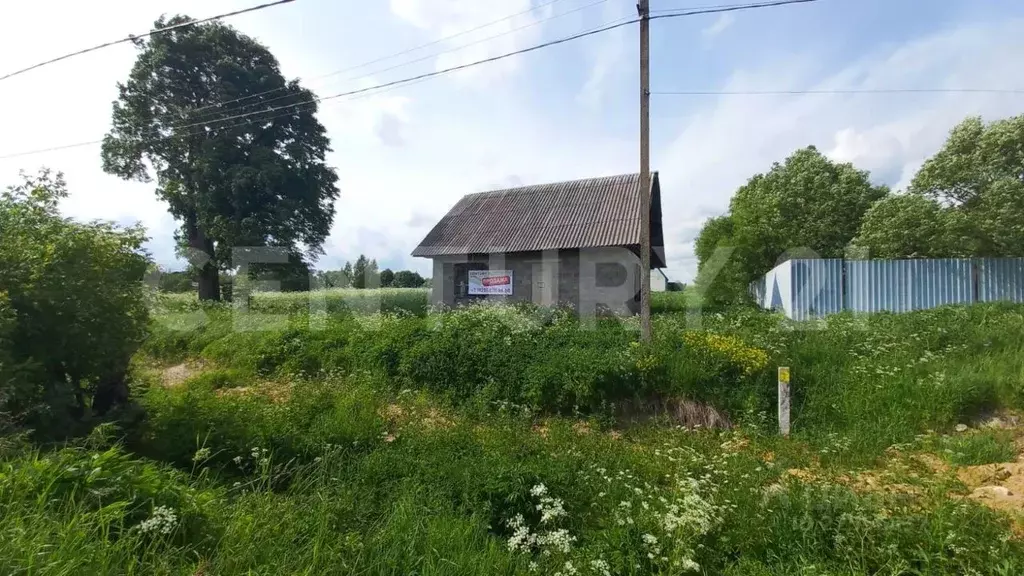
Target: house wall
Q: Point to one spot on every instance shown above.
(658, 282)
(586, 280)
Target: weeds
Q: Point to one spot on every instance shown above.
(453, 444)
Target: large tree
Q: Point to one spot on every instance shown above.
(910, 226)
(236, 150)
(806, 202)
(979, 175)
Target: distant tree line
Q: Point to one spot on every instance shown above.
(295, 277)
(966, 200)
(364, 273)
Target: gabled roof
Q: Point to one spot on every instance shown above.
(575, 214)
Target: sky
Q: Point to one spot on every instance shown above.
(405, 155)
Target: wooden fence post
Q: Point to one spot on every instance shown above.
(784, 400)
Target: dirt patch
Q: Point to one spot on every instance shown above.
(175, 375)
(429, 417)
(678, 411)
(276, 392)
(997, 486)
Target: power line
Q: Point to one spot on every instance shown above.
(131, 37)
(726, 8)
(709, 10)
(390, 56)
(424, 76)
(839, 91)
(410, 62)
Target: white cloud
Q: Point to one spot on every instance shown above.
(731, 138)
(723, 21)
(445, 18)
(609, 55)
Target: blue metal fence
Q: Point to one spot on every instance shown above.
(1000, 279)
(817, 288)
(811, 288)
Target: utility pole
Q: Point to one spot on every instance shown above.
(645, 171)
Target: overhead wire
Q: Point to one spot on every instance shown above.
(389, 56)
(410, 62)
(837, 91)
(427, 75)
(133, 37)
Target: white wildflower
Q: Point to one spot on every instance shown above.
(201, 454)
(601, 567)
(161, 521)
(557, 539)
(689, 565)
(539, 490)
(550, 508)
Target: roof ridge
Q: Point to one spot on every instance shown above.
(552, 184)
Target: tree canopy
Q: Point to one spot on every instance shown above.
(235, 149)
(978, 176)
(966, 200)
(807, 203)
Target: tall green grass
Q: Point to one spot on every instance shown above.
(458, 496)
(859, 384)
(474, 442)
(334, 300)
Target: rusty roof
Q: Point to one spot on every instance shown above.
(584, 213)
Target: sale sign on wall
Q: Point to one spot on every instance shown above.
(490, 282)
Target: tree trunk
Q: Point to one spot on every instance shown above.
(209, 276)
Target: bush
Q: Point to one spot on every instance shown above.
(72, 311)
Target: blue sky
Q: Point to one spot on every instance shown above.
(404, 156)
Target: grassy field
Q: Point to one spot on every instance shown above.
(388, 300)
(495, 440)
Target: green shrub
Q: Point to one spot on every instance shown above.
(72, 310)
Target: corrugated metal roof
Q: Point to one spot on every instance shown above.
(575, 214)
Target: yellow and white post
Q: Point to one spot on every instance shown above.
(784, 400)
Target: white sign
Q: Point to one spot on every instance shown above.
(490, 282)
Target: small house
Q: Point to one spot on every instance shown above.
(574, 243)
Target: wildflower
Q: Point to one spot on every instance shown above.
(559, 539)
(201, 454)
(550, 508)
(601, 567)
(649, 539)
(237, 460)
(533, 566)
(161, 521)
(539, 490)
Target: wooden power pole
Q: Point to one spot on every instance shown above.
(645, 172)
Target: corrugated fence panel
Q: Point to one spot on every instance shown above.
(905, 285)
(817, 288)
(938, 282)
(1000, 279)
(807, 289)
